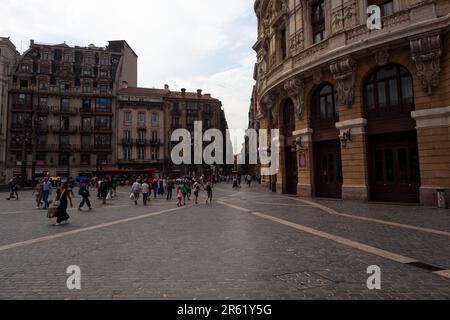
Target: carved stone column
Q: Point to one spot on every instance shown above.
(426, 52)
(344, 72)
(295, 90)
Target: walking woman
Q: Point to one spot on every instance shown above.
(84, 193)
(63, 196)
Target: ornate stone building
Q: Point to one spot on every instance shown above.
(62, 108)
(8, 58)
(147, 117)
(364, 114)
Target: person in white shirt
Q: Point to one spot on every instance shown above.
(136, 189)
(145, 192)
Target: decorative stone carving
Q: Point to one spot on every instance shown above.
(295, 89)
(426, 52)
(318, 77)
(267, 103)
(382, 57)
(344, 71)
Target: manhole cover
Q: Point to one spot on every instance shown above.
(304, 280)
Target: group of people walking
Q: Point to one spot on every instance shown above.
(165, 188)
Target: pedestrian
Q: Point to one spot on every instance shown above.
(70, 185)
(170, 188)
(189, 189)
(47, 187)
(63, 197)
(184, 191)
(179, 197)
(155, 188)
(249, 180)
(196, 191)
(209, 190)
(13, 188)
(145, 192)
(103, 190)
(39, 194)
(136, 189)
(161, 187)
(83, 191)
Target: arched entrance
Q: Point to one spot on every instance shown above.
(290, 160)
(393, 156)
(326, 146)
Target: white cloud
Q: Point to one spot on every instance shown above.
(194, 44)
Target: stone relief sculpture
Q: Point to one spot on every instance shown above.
(344, 71)
(295, 90)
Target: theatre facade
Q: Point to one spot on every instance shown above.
(364, 114)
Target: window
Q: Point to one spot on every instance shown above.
(87, 88)
(85, 159)
(387, 7)
(141, 117)
(318, 21)
(155, 154)
(103, 122)
(25, 68)
(23, 99)
(128, 117)
(86, 124)
(155, 136)
(65, 103)
(46, 55)
(155, 119)
(45, 69)
(103, 105)
(141, 153)
(64, 141)
(207, 108)
(389, 89)
(104, 88)
(175, 123)
(41, 159)
(324, 104)
(283, 43)
(87, 72)
(176, 107)
(105, 60)
(86, 104)
(88, 59)
(127, 153)
(23, 84)
(127, 135)
(43, 101)
(67, 57)
(64, 86)
(85, 141)
(206, 124)
(103, 140)
(104, 73)
(65, 123)
(43, 85)
(64, 159)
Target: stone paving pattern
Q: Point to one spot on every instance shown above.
(216, 252)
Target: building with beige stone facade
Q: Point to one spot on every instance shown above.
(62, 108)
(364, 114)
(8, 58)
(146, 119)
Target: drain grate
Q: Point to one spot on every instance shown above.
(304, 280)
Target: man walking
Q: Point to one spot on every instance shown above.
(170, 188)
(47, 191)
(136, 189)
(84, 193)
(145, 192)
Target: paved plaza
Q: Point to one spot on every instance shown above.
(249, 244)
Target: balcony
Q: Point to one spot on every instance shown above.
(103, 129)
(103, 147)
(86, 129)
(42, 110)
(63, 129)
(141, 125)
(127, 142)
(104, 111)
(141, 142)
(21, 108)
(155, 142)
(64, 110)
(86, 111)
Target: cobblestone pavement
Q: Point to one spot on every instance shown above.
(249, 244)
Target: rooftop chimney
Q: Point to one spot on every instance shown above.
(166, 87)
(31, 43)
(199, 92)
(124, 85)
(183, 92)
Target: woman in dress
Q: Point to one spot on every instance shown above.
(63, 196)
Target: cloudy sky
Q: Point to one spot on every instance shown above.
(185, 43)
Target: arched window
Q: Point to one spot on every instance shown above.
(324, 106)
(388, 90)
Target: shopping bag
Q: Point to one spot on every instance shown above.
(132, 197)
(52, 212)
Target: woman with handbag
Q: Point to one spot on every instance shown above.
(62, 199)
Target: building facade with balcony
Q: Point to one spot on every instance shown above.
(363, 113)
(62, 108)
(8, 58)
(147, 119)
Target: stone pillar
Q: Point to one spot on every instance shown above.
(354, 159)
(433, 133)
(305, 163)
